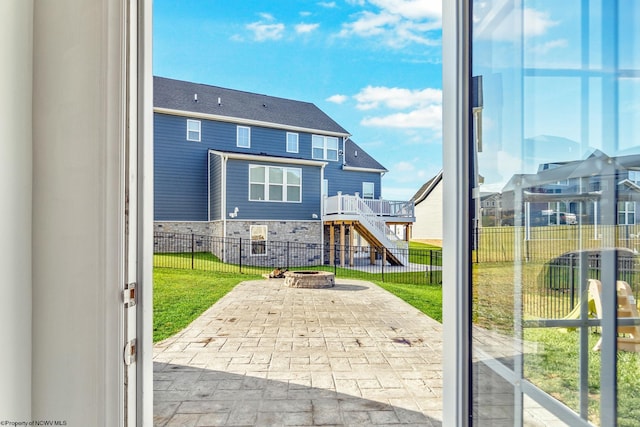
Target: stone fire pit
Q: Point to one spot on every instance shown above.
(309, 279)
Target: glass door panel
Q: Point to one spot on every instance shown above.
(556, 273)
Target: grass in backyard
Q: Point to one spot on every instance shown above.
(180, 296)
(426, 298)
(424, 253)
(554, 368)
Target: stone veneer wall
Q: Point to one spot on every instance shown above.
(176, 237)
(289, 243)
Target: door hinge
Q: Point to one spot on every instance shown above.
(130, 352)
(129, 295)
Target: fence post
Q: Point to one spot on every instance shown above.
(572, 290)
(288, 261)
(193, 239)
(240, 255)
(384, 260)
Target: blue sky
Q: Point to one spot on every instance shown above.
(374, 66)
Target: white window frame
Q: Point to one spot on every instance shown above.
(322, 142)
(258, 245)
(372, 193)
(626, 209)
(285, 184)
(297, 142)
(197, 131)
(238, 140)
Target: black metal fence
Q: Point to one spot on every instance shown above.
(236, 255)
(558, 284)
(541, 243)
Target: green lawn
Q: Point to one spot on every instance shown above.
(554, 368)
(180, 296)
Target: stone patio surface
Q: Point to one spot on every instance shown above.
(270, 355)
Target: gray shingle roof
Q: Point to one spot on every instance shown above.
(427, 188)
(180, 95)
(356, 157)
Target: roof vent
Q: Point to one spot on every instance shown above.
(356, 153)
(219, 101)
(264, 105)
(195, 97)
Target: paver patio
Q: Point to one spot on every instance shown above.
(271, 355)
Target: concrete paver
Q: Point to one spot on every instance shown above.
(271, 355)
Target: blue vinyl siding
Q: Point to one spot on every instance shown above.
(350, 182)
(215, 187)
(238, 194)
(180, 172)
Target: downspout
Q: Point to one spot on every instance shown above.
(322, 200)
(223, 202)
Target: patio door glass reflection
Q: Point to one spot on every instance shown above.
(556, 178)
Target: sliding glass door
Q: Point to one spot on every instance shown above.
(554, 144)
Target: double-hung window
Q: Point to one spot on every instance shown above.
(292, 142)
(324, 147)
(626, 213)
(193, 130)
(275, 184)
(367, 190)
(258, 239)
(243, 137)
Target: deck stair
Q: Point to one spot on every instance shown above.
(369, 224)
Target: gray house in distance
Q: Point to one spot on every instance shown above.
(236, 164)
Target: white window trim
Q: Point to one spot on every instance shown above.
(325, 148)
(284, 184)
(198, 131)
(297, 142)
(238, 137)
(627, 209)
(252, 241)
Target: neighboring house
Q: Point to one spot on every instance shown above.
(237, 164)
(573, 187)
(491, 209)
(428, 211)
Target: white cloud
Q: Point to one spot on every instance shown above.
(397, 98)
(267, 16)
(424, 118)
(396, 22)
(412, 9)
(425, 107)
(327, 4)
(306, 28)
(544, 48)
(264, 31)
(337, 99)
(534, 23)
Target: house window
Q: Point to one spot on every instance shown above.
(193, 130)
(243, 137)
(367, 190)
(258, 238)
(324, 147)
(275, 184)
(292, 142)
(634, 176)
(626, 213)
